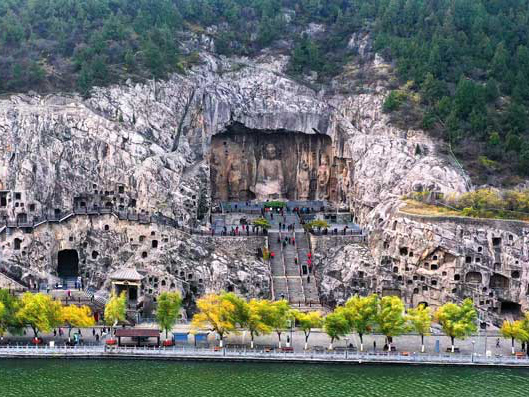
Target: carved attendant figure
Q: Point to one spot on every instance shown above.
(234, 180)
(221, 181)
(304, 180)
(344, 183)
(324, 175)
(269, 182)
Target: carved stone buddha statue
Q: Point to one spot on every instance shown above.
(269, 182)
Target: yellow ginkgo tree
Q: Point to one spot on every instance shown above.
(256, 320)
(217, 313)
(3, 312)
(420, 319)
(514, 330)
(168, 310)
(457, 321)
(40, 312)
(75, 316)
(115, 310)
(390, 318)
(307, 321)
(336, 325)
(361, 313)
(279, 318)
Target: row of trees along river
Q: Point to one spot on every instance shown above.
(226, 313)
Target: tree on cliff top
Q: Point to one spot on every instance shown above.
(262, 223)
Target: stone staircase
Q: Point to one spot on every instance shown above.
(279, 280)
(293, 273)
(291, 278)
(310, 287)
(10, 284)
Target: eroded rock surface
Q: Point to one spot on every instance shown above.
(169, 259)
(146, 149)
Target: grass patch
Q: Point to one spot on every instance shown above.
(418, 208)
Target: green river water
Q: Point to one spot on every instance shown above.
(62, 378)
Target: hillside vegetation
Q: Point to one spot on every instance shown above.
(482, 203)
(466, 61)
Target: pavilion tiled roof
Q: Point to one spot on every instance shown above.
(129, 274)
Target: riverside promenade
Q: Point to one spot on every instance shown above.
(182, 353)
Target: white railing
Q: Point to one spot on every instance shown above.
(262, 353)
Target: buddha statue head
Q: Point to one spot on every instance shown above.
(270, 151)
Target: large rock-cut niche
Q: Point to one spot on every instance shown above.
(68, 264)
(255, 164)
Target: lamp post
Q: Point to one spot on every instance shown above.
(483, 321)
(346, 346)
(289, 340)
(291, 325)
(473, 345)
(485, 337)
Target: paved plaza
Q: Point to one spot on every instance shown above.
(318, 340)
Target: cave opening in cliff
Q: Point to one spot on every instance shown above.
(511, 308)
(68, 264)
(247, 164)
(499, 281)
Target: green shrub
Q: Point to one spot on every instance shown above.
(394, 100)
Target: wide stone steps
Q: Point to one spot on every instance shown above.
(280, 288)
(311, 290)
(302, 240)
(295, 290)
(290, 261)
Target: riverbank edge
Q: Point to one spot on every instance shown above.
(286, 359)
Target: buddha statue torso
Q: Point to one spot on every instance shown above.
(269, 181)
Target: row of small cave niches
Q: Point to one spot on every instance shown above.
(152, 284)
(497, 281)
(117, 197)
(486, 295)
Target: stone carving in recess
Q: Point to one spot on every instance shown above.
(253, 164)
(270, 180)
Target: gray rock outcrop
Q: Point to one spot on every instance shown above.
(145, 148)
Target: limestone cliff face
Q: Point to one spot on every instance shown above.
(145, 148)
(168, 258)
(154, 138)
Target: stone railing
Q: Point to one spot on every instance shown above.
(260, 353)
(132, 216)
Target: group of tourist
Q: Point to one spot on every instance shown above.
(235, 230)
